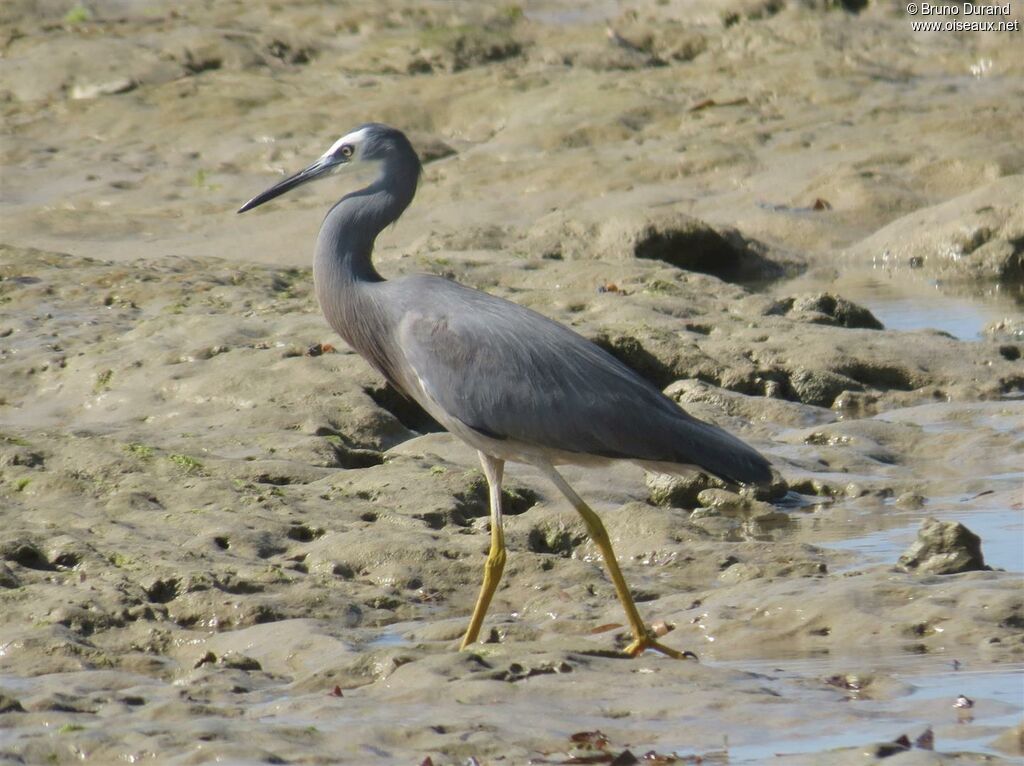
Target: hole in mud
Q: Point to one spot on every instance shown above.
(406, 411)
(277, 480)
(369, 516)
(67, 560)
(880, 376)
(1014, 622)
(162, 591)
(347, 457)
(700, 248)
(474, 501)
(237, 586)
(345, 454)
(558, 541)
(303, 534)
(27, 555)
(222, 542)
(82, 627)
(433, 519)
(343, 571)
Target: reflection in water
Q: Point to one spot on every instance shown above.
(928, 687)
(907, 304)
(1001, 531)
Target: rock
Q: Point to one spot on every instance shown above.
(678, 491)
(731, 503)
(238, 661)
(820, 388)
(944, 547)
(912, 501)
(1008, 328)
(764, 521)
(977, 235)
(825, 308)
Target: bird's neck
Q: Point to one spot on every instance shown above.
(345, 245)
(343, 271)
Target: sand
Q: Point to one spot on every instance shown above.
(224, 539)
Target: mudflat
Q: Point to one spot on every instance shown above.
(224, 539)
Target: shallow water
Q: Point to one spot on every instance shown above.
(906, 304)
(1001, 530)
(257, 549)
(928, 687)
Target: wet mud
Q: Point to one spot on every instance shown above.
(224, 539)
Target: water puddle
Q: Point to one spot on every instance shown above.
(390, 638)
(907, 304)
(997, 697)
(929, 688)
(1001, 531)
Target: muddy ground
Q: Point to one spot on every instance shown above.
(224, 539)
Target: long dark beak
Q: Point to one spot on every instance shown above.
(318, 169)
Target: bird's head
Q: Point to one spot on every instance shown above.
(370, 143)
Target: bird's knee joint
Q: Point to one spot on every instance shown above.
(495, 561)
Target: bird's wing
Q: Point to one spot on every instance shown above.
(511, 373)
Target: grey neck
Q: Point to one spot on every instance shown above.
(345, 244)
(343, 273)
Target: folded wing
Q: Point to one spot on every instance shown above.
(511, 373)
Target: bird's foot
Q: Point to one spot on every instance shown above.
(641, 645)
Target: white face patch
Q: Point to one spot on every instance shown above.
(353, 139)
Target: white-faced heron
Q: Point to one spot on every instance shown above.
(506, 380)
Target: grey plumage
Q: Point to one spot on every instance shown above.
(509, 381)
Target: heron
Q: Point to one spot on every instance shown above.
(511, 383)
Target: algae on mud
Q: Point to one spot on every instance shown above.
(179, 479)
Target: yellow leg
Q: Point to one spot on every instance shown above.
(643, 639)
(495, 565)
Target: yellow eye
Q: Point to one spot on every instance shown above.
(346, 150)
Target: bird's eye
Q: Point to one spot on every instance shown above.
(346, 150)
